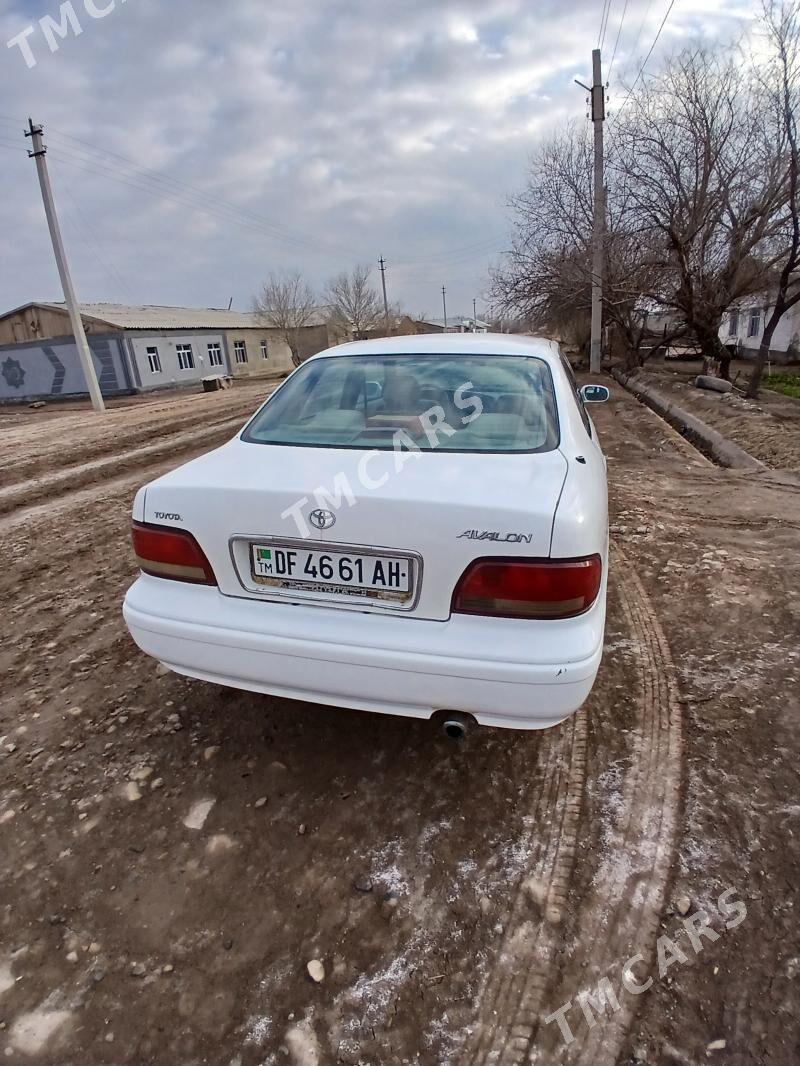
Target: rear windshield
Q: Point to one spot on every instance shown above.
(454, 403)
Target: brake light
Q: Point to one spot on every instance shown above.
(526, 588)
(173, 553)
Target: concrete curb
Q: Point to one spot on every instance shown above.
(708, 440)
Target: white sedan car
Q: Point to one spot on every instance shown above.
(411, 525)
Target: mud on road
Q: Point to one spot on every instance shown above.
(173, 854)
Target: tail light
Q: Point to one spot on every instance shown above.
(526, 588)
(173, 553)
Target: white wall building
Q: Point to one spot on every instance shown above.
(743, 326)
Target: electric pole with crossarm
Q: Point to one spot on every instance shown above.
(84, 354)
(598, 97)
(382, 262)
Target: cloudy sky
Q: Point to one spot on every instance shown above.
(197, 145)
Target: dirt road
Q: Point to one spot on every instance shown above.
(174, 854)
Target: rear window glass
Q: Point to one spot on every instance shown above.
(454, 403)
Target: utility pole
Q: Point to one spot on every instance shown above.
(598, 97)
(474, 315)
(382, 262)
(444, 306)
(38, 153)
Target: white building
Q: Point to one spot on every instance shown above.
(743, 326)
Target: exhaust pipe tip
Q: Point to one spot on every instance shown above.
(456, 726)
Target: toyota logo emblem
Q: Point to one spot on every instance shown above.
(322, 519)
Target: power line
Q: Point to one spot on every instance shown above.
(646, 59)
(642, 25)
(184, 189)
(133, 173)
(280, 232)
(616, 43)
(6, 140)
(146, 180)
(200, 202)
(433, 258)
(128, 171)
(435, 270)
(603, 23)
(223, 213)
(108, 268)
(157, 177)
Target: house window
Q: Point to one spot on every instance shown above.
(215, 355)
(754, 325)
(264, 350)
(185, 356)
(153, 361)
(733, 324)
(240, 351)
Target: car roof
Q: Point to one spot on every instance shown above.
(449, 344)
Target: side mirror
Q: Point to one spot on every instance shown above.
(594, 394)
(374, 390)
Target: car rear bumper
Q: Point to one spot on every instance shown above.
(506, 672)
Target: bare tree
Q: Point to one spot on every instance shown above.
(700, 170)
(782, 83)
(546, 277)
(707, 184)
(286, 302)
(551, 220)
(355, 306)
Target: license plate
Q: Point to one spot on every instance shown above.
(344, 572)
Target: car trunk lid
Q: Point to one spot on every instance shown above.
(436, 512)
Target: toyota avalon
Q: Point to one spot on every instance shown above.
(410, 525)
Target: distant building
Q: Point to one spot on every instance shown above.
(139, 348)
(407, 326)
(398, 326)
(460, 324)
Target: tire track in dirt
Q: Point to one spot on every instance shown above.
(39, 446)
(70, 478)
(30, 464)
(633, 898)
(620, 916)
(515, 988)
(179, 451)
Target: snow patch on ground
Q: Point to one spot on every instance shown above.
(6, 977)
(257, 1028)
(260, 1025)
(374, 993)
(302, 1043)
(385, 868)
(624, 647)
(430, 832)
(718, 675)
(31, 1032)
